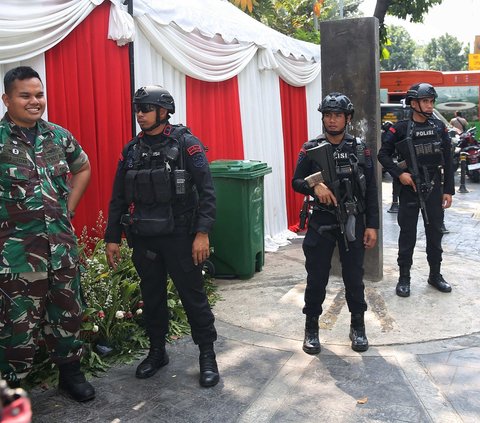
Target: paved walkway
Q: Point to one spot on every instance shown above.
(423, 364)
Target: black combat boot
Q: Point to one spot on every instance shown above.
(209, 375)
(403, 285)
(436, 279)
(311, 343)
(72, 381)
(358, 335)
(157, 357)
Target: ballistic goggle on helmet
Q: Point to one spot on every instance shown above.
(154, 95)
(418, 91)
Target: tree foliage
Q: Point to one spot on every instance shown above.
(402, 50)
(446, 53)
(414, 10)
(295, 17)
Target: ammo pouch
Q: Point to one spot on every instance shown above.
(152, 220)
(148, 186)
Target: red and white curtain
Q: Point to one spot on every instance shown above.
(246, 91)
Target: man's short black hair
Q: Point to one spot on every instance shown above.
(20, 73)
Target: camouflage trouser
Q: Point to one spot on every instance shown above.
(39, 302)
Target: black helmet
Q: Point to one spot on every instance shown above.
(336, 102)
(155, 94)
(422, 90)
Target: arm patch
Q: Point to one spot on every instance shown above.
(194, 149)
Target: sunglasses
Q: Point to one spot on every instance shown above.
(144, 108)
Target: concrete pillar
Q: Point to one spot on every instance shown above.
(350, 65)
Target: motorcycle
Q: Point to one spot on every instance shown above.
(467, 143)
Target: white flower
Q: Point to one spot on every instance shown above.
(120, 314)
(95, 328)
(139, 311)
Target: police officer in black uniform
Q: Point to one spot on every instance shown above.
(355, 169)
(424, 140)
(164, 200)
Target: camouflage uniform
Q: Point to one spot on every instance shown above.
(39, 277)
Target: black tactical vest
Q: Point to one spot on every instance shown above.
(349, 157)
(152, 173)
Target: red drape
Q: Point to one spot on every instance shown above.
(213, 115)
(295, 133)
(88, 93)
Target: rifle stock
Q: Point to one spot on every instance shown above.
(304, 212)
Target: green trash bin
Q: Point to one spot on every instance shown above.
(237, 237)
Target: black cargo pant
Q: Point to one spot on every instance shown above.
(407, 218)
(155, 258)
(318, 250)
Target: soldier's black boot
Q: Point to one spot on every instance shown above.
(436, 280)
(403, 285)
(157, 357)
(311, 343)
(358, 335)
(72, 381)
(209, 375)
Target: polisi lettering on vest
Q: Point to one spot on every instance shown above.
(424, 133)
(342, 155)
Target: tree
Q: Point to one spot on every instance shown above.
(402, 50)
(446, 53)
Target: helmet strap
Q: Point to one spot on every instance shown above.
(421, 112)
(158, 122)
(342, 131)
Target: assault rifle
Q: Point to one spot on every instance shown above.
(322, 154)
(423, 186)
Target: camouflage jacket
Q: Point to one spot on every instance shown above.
(35, 229)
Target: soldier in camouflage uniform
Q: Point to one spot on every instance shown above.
(39, 274)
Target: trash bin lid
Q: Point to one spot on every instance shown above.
(240, 169)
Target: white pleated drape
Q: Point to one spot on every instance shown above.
(29, 28)
(213, 41)
(314, 98)
(151, 68)
(261, 112)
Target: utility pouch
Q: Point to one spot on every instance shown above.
(161, 185)
(144, 193)
(153, 220)
(180, 176)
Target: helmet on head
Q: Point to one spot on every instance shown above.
(336, 102)
(418, 91)
(155, 94)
